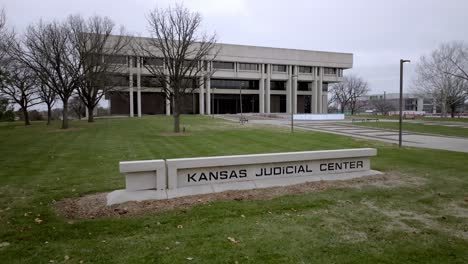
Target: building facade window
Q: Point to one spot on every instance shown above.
(223, 65)
(340, 72)
(150, 81)
(278, 68)
(152, 61)
(303, 86)
(248, 67)
(305, 69)
(234, 84)
(115, 59)
(278, 85)
(329, 71)
(325, 87)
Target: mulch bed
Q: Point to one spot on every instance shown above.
(94, 206)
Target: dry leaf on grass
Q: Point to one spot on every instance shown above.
(233, 240)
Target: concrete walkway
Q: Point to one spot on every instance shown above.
(390, 136)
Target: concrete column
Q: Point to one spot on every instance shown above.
(208, 96)
(420, 104)
(294, 90)
(289, 91)
(201, 95)
(319, 97)
(261, 96)
(139, 87)
(267, 89)
(131, 90)
(314, 92)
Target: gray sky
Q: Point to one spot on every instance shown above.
(377, 32)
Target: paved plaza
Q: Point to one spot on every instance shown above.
(347, 128)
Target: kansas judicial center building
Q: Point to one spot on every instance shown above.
(273, 80)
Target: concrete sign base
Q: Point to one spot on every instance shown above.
(159, 179)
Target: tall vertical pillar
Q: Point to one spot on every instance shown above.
(314, 100)
(208, 96)
(319, 90)
(267, 89)
(294, 90)
(201, 95)
(261, 96)
(131, 88)
(138, 87)
(289, 91)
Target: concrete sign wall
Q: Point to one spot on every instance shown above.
(159, 179)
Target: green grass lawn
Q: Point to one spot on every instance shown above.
(423, 222)
(440, 119)
(420, 128)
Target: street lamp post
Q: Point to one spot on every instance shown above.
(400, 134)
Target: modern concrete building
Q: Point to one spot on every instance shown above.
(273, 80)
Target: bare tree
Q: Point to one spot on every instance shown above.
(383, 106)
(77, 106)
(456, 53)
(178, 55)
(347, 93)
(20, 87)
(48, 51)
(96, 48)
(438, 76)
(6, 36)
(47, 96)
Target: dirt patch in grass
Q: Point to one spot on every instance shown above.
(94, 205)
(174, 134)
(65, 130)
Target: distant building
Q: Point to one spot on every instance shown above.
(410, 102)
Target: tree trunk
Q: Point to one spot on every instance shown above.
(90, 114)
(26, 117)
(342, 108)
(49, 114)
(176, 115)
(452, 111)
(65, 115)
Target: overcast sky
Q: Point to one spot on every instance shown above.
(377, 32)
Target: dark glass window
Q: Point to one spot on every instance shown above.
(248, 66)
(278, 85)
(223, 65)
(152, 61)
(234, 84)
(302, 86)
(115, 59)
(150, 81)
(279, 68)
(117, 80)
(329, 71)
(305, 69)
(325, 87)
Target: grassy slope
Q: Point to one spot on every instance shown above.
(365, 225)
(420, 128)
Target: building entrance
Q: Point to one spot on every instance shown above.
(230, 103)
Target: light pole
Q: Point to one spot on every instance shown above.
(400, 135)
(240, 97)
